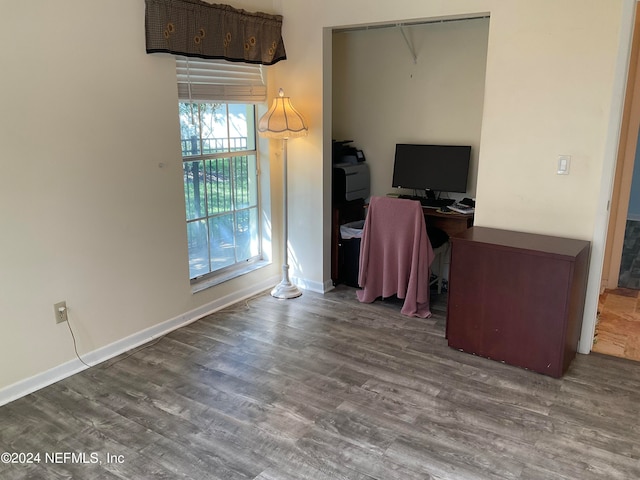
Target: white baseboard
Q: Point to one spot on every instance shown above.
(312, 286)
(633, 217)
(41, 380)
(328, 286)
(55, 374)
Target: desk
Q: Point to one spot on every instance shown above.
(344, 212)
(452, 222)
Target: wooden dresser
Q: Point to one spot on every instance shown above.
(517, 297)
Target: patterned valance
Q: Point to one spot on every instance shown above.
(195, 28)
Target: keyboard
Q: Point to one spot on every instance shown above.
(431, 202)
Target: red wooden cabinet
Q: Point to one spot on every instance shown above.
(517, 297)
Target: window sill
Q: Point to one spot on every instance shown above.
(208, 282)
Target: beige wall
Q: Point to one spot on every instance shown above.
(381, 97)
(88, 213)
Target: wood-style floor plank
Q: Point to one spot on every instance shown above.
(323, 387)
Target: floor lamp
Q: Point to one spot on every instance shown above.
(284, 122)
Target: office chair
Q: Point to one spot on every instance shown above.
(396, 255)
(439, 240)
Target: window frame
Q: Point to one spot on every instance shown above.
(201, 80)
(239, 267)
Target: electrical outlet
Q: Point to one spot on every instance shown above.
(60, 310)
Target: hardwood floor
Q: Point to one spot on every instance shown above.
(323, 388)
(618, 328)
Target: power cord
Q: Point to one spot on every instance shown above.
(247, 306)
(75, 346)
(109, 364)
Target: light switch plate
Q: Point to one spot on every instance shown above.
(564, 162)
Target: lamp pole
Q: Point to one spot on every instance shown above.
(283, 121)
(285, 289)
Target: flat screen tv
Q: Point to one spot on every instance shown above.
(440, 168)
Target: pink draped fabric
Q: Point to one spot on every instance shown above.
(395, 255)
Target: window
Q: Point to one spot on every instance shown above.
(217, 109)
(220, 185)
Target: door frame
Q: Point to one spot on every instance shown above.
(624, 167)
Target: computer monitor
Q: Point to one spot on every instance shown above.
(441, 168)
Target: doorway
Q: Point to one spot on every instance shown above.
(618, 327)
(630, 260)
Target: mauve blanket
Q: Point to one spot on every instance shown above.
(395, 255)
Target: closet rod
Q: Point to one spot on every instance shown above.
(405, 24)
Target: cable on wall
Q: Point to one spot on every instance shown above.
(75, 346)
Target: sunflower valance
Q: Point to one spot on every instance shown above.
(195, 28)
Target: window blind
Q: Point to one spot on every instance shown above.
(230, 82)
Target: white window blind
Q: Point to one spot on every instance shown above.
(230, 82)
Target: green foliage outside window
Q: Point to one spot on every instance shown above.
(220, 184)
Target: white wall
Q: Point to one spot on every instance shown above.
(381, 97)
(554, 84)
(88, 213)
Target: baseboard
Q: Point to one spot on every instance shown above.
(328, 286)
(316, 287)
(635, 217)
(41, 380)
(55, 374)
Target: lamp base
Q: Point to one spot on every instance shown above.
(285, 290)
